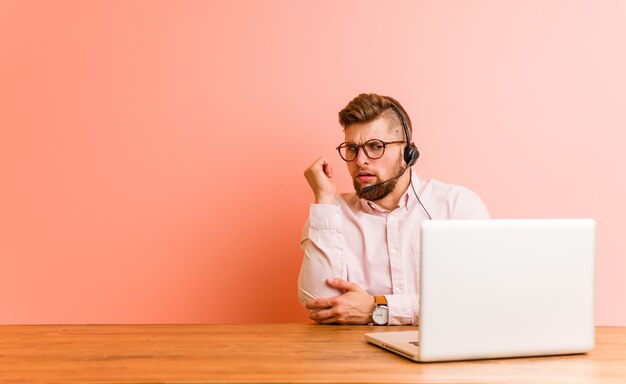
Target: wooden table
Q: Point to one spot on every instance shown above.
(268, 353)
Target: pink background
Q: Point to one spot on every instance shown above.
(151, 152)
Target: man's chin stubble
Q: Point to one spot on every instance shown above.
(375, 192)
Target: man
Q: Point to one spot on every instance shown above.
(361, 250)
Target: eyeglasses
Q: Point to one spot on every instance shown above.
(374, 149)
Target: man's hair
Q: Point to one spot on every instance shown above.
(368, 107)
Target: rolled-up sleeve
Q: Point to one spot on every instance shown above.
(403, 309)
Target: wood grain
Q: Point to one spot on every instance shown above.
(268, 353)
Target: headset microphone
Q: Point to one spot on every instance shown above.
(386, 181)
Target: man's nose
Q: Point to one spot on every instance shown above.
(361, 158)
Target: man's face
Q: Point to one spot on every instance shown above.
(367, 172)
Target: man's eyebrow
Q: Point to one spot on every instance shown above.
(365, 141)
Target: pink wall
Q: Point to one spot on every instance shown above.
(151, 152)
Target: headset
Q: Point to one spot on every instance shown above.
(410, 155)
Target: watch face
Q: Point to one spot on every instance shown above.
(380, 315)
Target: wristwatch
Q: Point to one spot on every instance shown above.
(380, 313)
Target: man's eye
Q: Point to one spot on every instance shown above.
(351, 148)
(375, 147)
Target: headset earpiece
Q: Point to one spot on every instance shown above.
(411, 154)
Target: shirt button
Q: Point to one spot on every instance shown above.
(394, 251)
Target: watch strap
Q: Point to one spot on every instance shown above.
(380, 300)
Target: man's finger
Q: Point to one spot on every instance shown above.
(342, 285)
(328, 170)
(320, 315)
(319, 303)
(324, 317)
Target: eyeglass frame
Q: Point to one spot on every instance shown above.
(359, 146)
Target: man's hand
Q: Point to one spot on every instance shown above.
(319, 175)
(351, 307)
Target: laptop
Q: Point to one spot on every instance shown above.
(501, 288)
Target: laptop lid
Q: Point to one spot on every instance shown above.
(503, 288)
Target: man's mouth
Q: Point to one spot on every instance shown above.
(365, 177)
